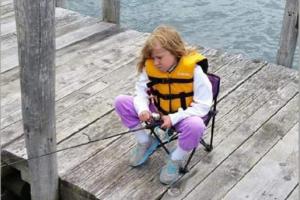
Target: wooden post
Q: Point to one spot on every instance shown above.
(289, 33)
(35, 21)
(60, 3)
(111, 11)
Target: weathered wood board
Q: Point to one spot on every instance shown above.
(95, 62)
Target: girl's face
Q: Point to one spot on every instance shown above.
(163, 59)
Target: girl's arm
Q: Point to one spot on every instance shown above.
(141, 98)
(202, 99)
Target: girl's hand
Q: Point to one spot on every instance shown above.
(166, 121)
(145, 116)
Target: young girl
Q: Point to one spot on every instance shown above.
(180, 92)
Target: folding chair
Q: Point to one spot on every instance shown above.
(215, 81)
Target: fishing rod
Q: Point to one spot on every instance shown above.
(154, 124)
(151, 125)
(155, 121)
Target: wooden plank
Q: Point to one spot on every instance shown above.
(99, 30)
(122, 187)
(5, 2)
(70, 51)
(247, 154)
(105, 165)
(295, 194)
(82, 79)
(148, 187)
(6, 7)
(8, 35)
(69, 159)
(61, 52)
(9, 49)
(67, 192)
(267, 72)
(126, 179)
(8, 26)
(259, 90)
(126, 73)
(232, 91)
(89, 110)
(36, 46)
(13, 107)
(100, 128)
(240, 105)
(7, 17)
(10, 42)
(104, 126)
(66, 22)
(146, 173)
(218, 58)
(62, 17)
(233, 72)
(9, 13)
(83, 21)
(73, 157)
(276, 174)
(107, 125)
(68, 70)
(120, 72)
(82, 33)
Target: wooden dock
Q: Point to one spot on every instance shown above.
(255, 153)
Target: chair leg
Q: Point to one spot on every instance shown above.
(161, 143)
(212, 133)
(184, 170)
(208, 147)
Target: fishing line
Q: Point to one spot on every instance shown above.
(75, 146)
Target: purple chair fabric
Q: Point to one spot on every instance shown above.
(215, 82)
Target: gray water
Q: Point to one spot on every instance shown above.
(251, 28)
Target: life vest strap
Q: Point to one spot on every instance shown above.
(182, 96)
(154, 81)
(160, 109)
(172, 96)
(183, 102)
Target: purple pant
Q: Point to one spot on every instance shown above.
(190, 129)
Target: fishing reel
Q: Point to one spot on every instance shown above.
(156, 116)
(156, 123)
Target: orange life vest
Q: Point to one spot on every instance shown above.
(172, 90)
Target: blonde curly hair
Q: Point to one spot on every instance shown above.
(169, 39)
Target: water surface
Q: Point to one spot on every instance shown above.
(251, 28)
